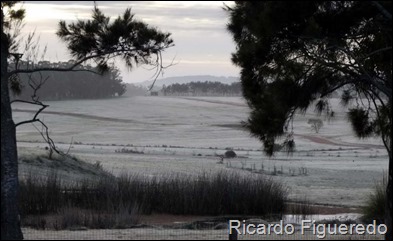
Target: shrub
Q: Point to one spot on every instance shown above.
(375, 204)
(230, 154)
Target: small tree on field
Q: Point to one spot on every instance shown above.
(316, 124)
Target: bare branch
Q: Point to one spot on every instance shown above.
(378, 51)
(363, 74)
(36, 86)
(26, 122)
(35, 118)
(35, 101)
(69, 148)
(366, 75)
(160, 68)
(47, 138)
(383, 10)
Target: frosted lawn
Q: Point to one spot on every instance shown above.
(184, 135)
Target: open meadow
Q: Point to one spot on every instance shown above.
(156, 135)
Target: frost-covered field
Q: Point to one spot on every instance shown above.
(184, 135)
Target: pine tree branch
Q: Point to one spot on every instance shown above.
(383, 10)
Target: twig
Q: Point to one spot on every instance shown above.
(35, 101)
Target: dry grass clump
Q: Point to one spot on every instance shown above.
(116, 202)
(375, 204)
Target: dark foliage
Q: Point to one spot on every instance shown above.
(70, 85)
(230, 154)
(360, 122)
(295, 54)
(100, 39)
(206, 88)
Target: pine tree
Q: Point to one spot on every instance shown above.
(293, 54)
(98, 40)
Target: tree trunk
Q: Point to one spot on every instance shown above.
(10, 225)
(389, 206)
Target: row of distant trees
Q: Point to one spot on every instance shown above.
(207, 88)
(71, 85)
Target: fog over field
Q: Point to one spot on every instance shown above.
(155, 135)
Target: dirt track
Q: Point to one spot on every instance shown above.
(325, 140)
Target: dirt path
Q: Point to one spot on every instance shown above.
(94, 117)
(327, 141)
(86, 116)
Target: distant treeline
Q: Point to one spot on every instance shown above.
(135, 90)
(206, 88)
(71, 84)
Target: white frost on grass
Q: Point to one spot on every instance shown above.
(184, 135)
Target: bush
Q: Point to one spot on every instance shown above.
(375, 205)
(230, 154)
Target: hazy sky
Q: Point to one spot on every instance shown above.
(203, 46)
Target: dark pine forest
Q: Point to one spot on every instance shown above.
(84, 83)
